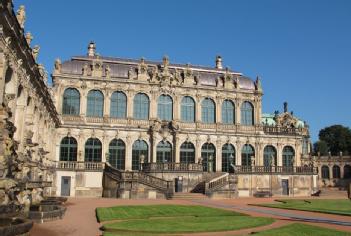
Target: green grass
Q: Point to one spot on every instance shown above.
(302, 230)
(164, 219)
(147, 211)
(330, 206)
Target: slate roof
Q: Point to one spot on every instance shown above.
(119, 67)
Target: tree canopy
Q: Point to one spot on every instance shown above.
(336, 137)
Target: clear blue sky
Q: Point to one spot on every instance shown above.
(301, 49)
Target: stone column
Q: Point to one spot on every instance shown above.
(2, 77)
(280, 154)
(130, 104)
(107, 103)
(83, 103)
(105, 147)
(128, 160)
(176, 108)
(153, 106)
(341, 171)
(238, 153)
(219, 155)
(237, 111)
(154, 149)
(330, 167)
(81, 147)
(218, 110)
(198, 150)
(176, 149)
(198, 110)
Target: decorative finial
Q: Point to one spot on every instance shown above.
(165, 61)
(35, 51)
(285, 107)
(91, 49)
(219, 62)
(21, 16)
(29, 37)
(258, 84)
(57, 68)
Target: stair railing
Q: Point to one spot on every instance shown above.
(216, 183)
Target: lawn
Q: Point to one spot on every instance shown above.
(302, 230)
(161, 219)
(330, 206)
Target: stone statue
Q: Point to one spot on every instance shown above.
(131, 73)
(21, 16)
(285, 107)
(37, 196)
(58, 66)
(107, 71)
(85, 70)
(258, 84)
(29, 38)
(210, 164)
(35, 51)
(23, 199)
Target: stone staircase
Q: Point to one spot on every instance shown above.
(333, 192)
(188, 196)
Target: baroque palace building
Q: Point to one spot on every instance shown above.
(170, 120)
(126, 128)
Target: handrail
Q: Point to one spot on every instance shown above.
(154, 167)
(149, 180)
(216, 183)
(276, 169)
(80, 165)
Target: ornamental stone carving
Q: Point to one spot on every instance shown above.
(57, 66)
(21, 16)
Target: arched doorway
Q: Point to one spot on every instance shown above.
(208, 155)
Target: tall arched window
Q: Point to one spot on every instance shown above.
(118, 107)
(188, 109)
(325, 172)
(141, 106)
(336, 172)
(288, 156)
(95, 103)
(228, 112)
(68, 149)
(347, 172)
(165, 107)
(139, 150)
(164, 152)
(93, 150)
(71, 102)
(208, 111)
(117, 154)
(247, 114)
(208, 155)
(247, 155)
(228, 157)
(187, 153)
(270, 156)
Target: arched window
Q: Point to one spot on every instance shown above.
(165, 107)
(336, 172)
(270, 156)
(187, 153)
(68, 149)
(228, 157)
(347, 172)
(325, 172)
(139, 150)
(288, 156)
(141, 106)
(208, 155)
(208, 111)
(118, 107)
(93, 150)
(117, 154)
(71, 102)
(188, 109)
(228, 112)
(95, 103)
(247, 114)
(247, 155)
(164, 152)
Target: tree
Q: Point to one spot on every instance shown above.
(321, 147)
(337, 137)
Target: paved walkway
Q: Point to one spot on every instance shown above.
(80, 219)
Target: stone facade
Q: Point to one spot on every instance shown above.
(28, 117)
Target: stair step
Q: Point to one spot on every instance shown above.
(187, 196)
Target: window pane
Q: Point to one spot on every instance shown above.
(188, 109)
(227, 112)
(141, 106)
(247, 114)
(71, 102)
(228, 157)
(118, 107)
(208, 111)
(139, 149)
(95, 105)
(208, 153)
(165, 107)
(117, 154)
(93, 150)
(68, 149)
(187, 153)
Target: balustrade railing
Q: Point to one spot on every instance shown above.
(275, 169)
(155, 167)
(75, 165)
(217, 183)
(283, 130)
